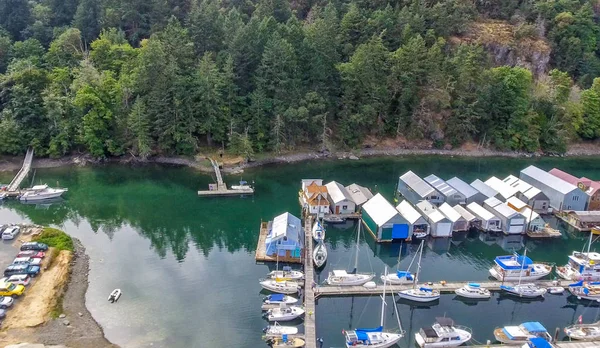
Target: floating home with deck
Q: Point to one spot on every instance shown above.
(416, 222)
(459, 223)
(562, 195)
(440, 225)
(590, 187)
(340, 201)
(383, 221)
(489, 221)
(469, 192)
(449, 194)
(583, 220)
(533, 196)
(513, 222)
(414, 189)
(485, 189)
(504, 190)
(285, 237)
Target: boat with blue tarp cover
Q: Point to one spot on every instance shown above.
(400, 277)
(522, 333)
(279, 298)
(537, 342)
(514, 267)
(586, 290)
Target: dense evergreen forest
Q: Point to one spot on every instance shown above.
(143, 77)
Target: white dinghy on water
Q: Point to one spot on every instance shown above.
(473, 290)
(376, 337)
(114, 295)
(443, 334)
(278, 330)
(423, 293)
(342, 278)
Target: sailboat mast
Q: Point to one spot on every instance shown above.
(590, 242)
(399, 254)
(418, 265)
(383, 299)
(522, 265)
(357, 241)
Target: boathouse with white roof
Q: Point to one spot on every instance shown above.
(529, 194)
(449, 193)
(383, 220)
(416, 221)
(340, 201)
(513, 222)
(489, 221)
(469, 192)
(440, 225)
(562, 195)
(414, 189)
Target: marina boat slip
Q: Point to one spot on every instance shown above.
(585, 290)
(341, 277)
(286, 273)
(399, 277)
(583, 332)
(442, 334)
(421, 294)
(581, 265)
(320, 255)
(521, 334)
(280, 286)
(41, 192)
(374, 338)
(516, 267)
(284, 313)
(473, 290)
(318, 231)
(279, 298)
(278, 330)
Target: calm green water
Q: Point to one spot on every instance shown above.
(186, 265)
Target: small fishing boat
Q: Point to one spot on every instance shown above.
(320, 255)
(114, 295)
(528, 290)
(423, 293)
(583, 332)
(442, 334)
(333, 219)
(473, 290)
(343, 278)
(514, 267)
(587, 291)
(280, 286)
(556, 290)
(318, 232)
(287, 273)
(279, 298)
(284, 342)
(278, 330)
(41, 192)
(521, 334)
(420, 235)
(284, 313)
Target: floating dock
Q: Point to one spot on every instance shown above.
(449, 287)
(261, 248)
(547, 232)
(559, 344)
(220, 188)
(310, 331)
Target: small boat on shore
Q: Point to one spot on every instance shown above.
(320, 255)
(583, 332)
(473, 290)
(287, 273)
(41, 192)
(278, 330)
(280, 286)
(284, 313)
(398, 278)
(279, 298)
(442, 334)
(515, 335)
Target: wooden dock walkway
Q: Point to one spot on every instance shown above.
(221, 188)
(23, 172)
(449, 287)
(261, 248)
(310, 330)
(559, 344)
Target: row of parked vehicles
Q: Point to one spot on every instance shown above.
(18, 275)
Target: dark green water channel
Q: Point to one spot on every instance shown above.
(186, 265)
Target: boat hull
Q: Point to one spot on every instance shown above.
(390, 339)
(525, 277)
(581, 295)
(350, 279)
(293, 275)
(470, 294)
(277, 315)
(320, 255)
(465, 336)
(583, 332)
(41, 197)
(281, 288)
(418, 296)
(394, 280)
(278, 330)
(294, 343)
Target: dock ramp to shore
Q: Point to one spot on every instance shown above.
(23, 172)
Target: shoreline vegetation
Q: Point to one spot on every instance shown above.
(236, 164)
(52, 310)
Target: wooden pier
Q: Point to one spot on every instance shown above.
(559, 344)
(310, 330)
(220, 188)
(449, 287)
(13, 188)
(261, 248)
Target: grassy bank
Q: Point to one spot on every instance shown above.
(55, 238)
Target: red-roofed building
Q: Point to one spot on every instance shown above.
(590, 187)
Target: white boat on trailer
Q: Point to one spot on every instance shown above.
(279, 298)
(342, 278)
(443, 334)
(41, 192)
(473, 290)
(280, 286)
(583, 332)
(513, 267)
(278, 330)
(284, 313)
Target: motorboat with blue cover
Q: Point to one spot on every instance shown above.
(522, 333)
(515, 267)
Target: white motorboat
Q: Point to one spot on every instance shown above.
(587, 291)
(285, 342)
(423, 293)
(243, 186)
(515, 335)
(318, 231)
(556, 290)
(286, 273)
(584, 332)
(374, 338)
(320, 255)
(581, 265)
(284, 313)
(41, 192)
(420, 235)
(278, 330)
(343, 278)
(473, 290)
(333, 219)
(442, 334)
(399, 277)
(514, 267)
(279, 298)
(280, 286)
(528, 290)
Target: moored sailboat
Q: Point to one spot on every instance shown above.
(320, 255)
(281, 286)
(581, 265)
(583, 332)
(423, 293)
(279, 298)
(343, 278)
(522, 333)
(587, 291)
(287, 273)
(514, 267)
(529, 290)
(318, 231)
(399, 277)
(473, 290)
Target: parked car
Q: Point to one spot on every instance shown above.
(32, 253)
(27, 261)
(10, 289)
(10, 232)
(2, 313)
(34, 246)
(6, 302)
(22, 279)
(21, 269)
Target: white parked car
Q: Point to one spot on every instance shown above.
(10, 232)
(6, 301)
(22, 279)
(27, 261)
